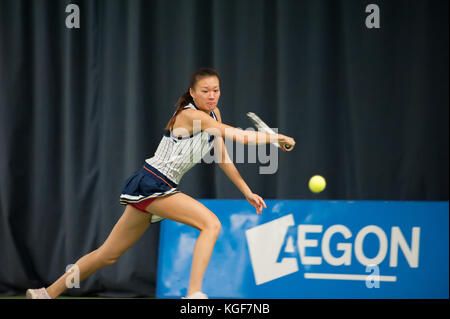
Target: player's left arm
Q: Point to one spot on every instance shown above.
(228, 167)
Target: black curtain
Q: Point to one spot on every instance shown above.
(80, 110)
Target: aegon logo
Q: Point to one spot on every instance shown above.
(273, 254)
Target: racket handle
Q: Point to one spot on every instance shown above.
(287, 146)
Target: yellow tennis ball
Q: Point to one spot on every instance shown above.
(317, 184)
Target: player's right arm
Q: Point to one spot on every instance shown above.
(211, 126)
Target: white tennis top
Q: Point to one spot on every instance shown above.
(175, 155)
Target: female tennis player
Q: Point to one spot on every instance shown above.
(151, 194)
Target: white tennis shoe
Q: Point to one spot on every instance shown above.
(37, 294)
(196, 295)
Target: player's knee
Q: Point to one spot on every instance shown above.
(214, 226)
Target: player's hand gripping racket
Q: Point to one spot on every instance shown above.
(263, 127)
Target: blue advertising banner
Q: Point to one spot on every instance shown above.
(315, 249)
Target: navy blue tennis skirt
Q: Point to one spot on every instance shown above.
(146, 185)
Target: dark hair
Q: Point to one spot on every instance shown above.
(186, 98)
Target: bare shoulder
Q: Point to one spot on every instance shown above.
(217, 112)
(191, 114)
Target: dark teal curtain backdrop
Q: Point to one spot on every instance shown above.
(80, 110)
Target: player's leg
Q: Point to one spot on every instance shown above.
(129, 228)
(184, 209)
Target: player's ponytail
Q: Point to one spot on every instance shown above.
(183, 100)
(186, 98)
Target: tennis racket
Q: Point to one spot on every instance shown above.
(259, 124)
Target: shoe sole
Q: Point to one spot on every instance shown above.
(29, 294)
